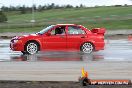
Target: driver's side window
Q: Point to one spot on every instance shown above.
(58, 31)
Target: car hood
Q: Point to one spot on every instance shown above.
(25, 36)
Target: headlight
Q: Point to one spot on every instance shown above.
(15, 41)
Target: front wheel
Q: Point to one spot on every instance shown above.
(24, 52)
(31, 48)
(87, 47)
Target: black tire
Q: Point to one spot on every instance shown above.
(24, 52)
(87, 48)
(31, 48)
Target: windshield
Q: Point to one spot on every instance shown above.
(45, 29)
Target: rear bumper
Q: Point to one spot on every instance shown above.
(99, 46)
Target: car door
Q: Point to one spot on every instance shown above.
(75, 37)
(56, 40)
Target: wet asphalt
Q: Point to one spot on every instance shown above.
(114, 62)
(115, 50)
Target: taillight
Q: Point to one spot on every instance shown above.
(101, 37)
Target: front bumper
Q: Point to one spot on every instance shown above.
(17, 46)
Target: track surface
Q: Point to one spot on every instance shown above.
(115, 62)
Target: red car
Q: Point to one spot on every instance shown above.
(60, 37)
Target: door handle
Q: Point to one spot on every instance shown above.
(82, 36)
(61, 36)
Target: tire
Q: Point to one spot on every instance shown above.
(31, 48)
(87, 48)
(24, 52)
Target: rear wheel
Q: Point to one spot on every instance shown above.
(31, 48)
(87, 47)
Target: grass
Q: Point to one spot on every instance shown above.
(24, 30)
(108, 17)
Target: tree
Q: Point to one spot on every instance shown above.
(69, 6)
(3, 8)
(82, 6)
(3, 17)
(40, 8)
(51, 6)
(23, 9)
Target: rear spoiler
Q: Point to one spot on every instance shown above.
(98, 30)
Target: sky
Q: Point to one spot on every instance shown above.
(88, 3)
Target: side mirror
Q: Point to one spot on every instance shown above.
(48, 34)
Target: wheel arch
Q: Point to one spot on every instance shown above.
(37, 42)
(88, 42)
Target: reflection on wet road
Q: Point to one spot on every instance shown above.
(115, 50)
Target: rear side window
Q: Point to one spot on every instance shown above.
(75, 30)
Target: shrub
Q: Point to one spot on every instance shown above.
(3, 17)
